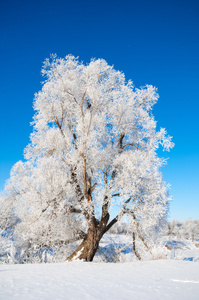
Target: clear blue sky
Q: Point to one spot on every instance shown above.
(152, 42)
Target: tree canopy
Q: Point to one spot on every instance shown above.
(94, 146)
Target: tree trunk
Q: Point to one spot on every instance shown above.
(87, 249)
(134, 250)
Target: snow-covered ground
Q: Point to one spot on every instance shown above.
(176, 277)
(159, 279)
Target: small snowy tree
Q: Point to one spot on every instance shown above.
(190, 228)
(93, 148)
(174, 228)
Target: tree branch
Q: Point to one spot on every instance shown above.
(59, 126)
(74, 210)
(118, 216)
(111, 224)
(120, 141)
(137, 228)
(131, 144)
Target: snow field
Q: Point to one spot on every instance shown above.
(160, 279)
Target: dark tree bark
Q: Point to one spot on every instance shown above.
(89, 246)
(87, 249)
(134, 249)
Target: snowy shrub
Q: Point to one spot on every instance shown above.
(159, 252)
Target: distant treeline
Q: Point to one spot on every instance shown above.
(187, 229)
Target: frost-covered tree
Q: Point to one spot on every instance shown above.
(187, 229)
(174, 227)
(190, 228)
(93, 148)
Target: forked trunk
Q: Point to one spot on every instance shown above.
(87, 249)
